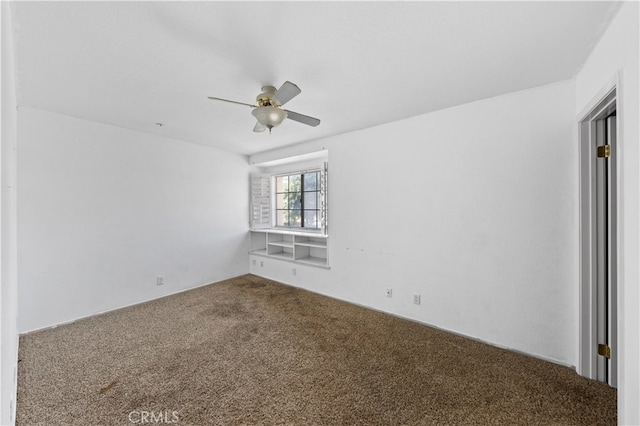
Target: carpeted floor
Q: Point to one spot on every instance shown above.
(252, 351)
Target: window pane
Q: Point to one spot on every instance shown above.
(282, 218)
(281, 201)
(294, 183)
(294, 199)
(311, 219)
(311, 181)
(294, 218)
(282, 183)
(310, 200)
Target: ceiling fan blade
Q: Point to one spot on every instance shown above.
(304, 119)
(233, 102)
(259, 127)
(286, 92)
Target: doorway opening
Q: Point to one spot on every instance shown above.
(598, 248)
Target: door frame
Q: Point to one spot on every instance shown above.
(600, 106)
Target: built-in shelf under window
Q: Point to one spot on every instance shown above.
(295, 246)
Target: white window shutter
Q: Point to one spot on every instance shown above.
(260, 201)
(324, 177)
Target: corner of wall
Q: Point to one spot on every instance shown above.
(8, 224)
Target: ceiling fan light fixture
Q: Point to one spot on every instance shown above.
(269, 116)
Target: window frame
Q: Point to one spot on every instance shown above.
(263, 202)
(319, 200)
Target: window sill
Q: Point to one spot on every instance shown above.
(287, 231)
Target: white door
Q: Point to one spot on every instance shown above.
(605, 255)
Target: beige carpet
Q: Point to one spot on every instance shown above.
(252, 351)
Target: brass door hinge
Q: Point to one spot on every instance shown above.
(604, 151)
(604, 350)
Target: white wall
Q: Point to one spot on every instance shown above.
(473, 207)
(616, 57)
(8, 265)
(102, 211)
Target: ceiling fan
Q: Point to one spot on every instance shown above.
(268, 111)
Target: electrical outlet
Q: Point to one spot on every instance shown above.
(388, 292)
(159, 280)
(416, 299)
(253, 262)
(294, 271)
(261, 264)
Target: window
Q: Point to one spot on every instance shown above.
(290, 200)
(298, 202)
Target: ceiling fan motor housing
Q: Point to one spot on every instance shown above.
(266, 97)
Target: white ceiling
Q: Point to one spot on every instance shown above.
(359, 64)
